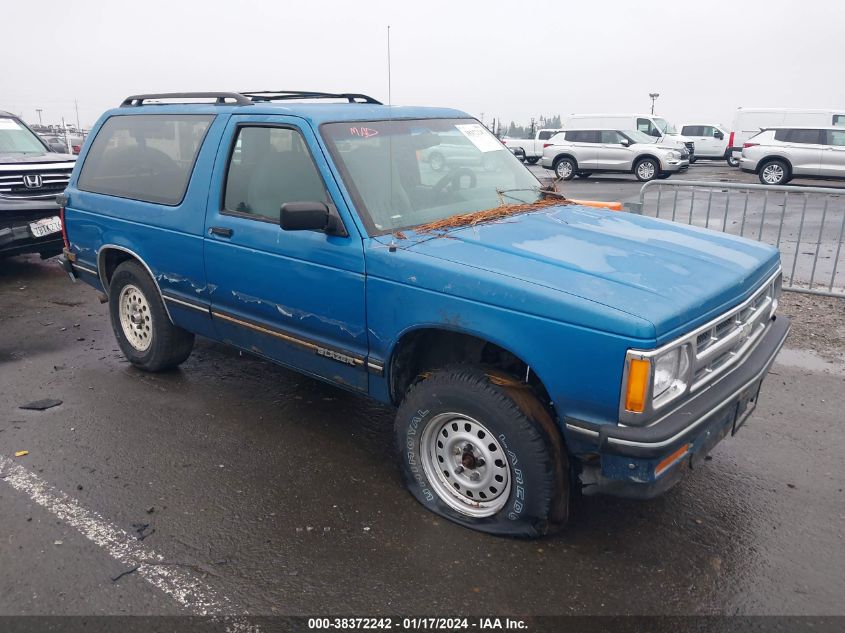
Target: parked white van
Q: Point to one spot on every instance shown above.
(750, 121)
(650, 124)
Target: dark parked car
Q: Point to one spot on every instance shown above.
(32, 173)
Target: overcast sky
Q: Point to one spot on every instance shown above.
(511, 60)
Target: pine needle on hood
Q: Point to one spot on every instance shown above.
(491, 215)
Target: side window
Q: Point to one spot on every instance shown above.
(592, 136)
(839, 119)
(836, 137)
(270, 166)
(611, 137)
(147, 157)
(546, 135)
(645, 125)
(692, 130)
(801, 136)
(706, 130)
(575, 137)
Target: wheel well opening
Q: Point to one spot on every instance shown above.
(559, 157)
(780, 159)
(425, 350)
(109, 261)
(644, 157)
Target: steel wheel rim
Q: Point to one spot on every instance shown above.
(564, 169)
(465, 464)
(135, 318)
(646, 170)
(773, 174)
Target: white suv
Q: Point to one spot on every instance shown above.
(779, 154)
(585, 152)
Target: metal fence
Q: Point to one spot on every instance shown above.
(807, 224)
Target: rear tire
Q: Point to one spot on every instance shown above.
(584, 174)
(533, 160)
(646, 169)
(140, 322)
(732, 162)
(477, 448)
(663, 176)
(565, 168)
(774, 172)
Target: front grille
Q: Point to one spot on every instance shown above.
(726, 340)
(690, 146)
(684, 154)
(53, 182)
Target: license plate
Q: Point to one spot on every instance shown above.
(746, 405)
(47, 226)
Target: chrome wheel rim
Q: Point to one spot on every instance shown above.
(773, 174)
(466, 465)
(646, 170)
(135, 318)
(564, 169)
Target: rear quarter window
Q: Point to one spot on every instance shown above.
(144, 157)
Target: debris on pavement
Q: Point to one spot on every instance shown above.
(21, 453)
(41, 405)
(125, 573)
(142, 530)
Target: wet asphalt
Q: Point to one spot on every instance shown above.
(282, 494)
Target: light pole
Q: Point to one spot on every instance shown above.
(38, 110)
(653, 96)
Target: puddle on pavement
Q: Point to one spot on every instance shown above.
(807, 359)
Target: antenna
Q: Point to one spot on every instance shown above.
(389, 94)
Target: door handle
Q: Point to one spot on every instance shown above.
(221, 231)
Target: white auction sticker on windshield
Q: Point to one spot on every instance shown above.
(480, 137)
(8, 124)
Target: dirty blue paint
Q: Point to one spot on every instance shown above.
(566, 289)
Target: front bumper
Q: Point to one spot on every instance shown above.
(16, 237)
(674, 165)
(632, 461)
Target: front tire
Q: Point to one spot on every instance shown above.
(140, 322)
(533, 160)
(774, 172)
(565, 168)
(646, 169)
(477, 448)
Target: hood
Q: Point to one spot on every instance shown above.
(39, 157)
(674, 276)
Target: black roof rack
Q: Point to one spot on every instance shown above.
(286, 95)
(219, 97)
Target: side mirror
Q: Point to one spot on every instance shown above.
(719, 135)
(59, 148)
(626, 142)
(310, 216)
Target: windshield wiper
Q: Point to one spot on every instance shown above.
(545, 192)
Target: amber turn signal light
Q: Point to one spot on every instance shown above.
(638, 374)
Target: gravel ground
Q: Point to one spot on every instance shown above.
(818, 323)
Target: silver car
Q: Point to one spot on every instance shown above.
(779, 154)
(583, 153)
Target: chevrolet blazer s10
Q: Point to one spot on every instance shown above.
(534, 349)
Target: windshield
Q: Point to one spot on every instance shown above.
(665, 126)
(17, 139)
(639, 137)
(403, 173)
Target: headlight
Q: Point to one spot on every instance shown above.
(675, 155)
(670, 374)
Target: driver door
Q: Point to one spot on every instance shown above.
(296, 297)
(612, 154)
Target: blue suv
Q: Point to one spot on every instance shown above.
(534, 349)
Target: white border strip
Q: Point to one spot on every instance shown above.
(182, 586)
